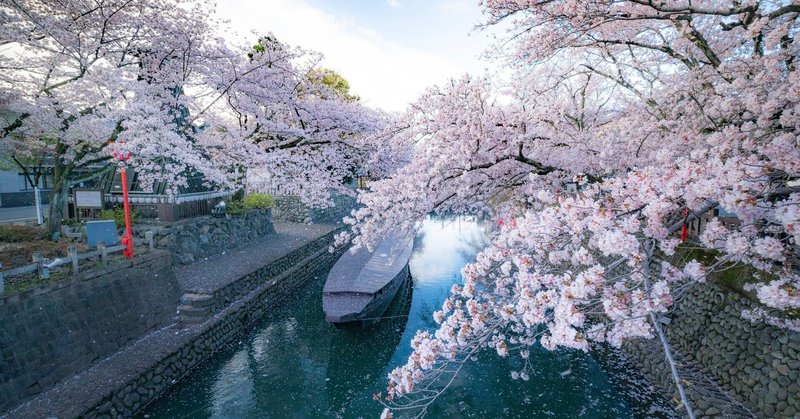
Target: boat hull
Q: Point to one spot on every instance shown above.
(362, 284)
(372, 311)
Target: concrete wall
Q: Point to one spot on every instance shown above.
(51, 333)
(22, 199)
(273, 282)
(291, 209)
(759, 365)
(200, 237)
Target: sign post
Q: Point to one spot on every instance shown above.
(127, 238)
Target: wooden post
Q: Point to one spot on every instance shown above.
(149, 237)
(37, 259)
(101, 247)
(72, 252)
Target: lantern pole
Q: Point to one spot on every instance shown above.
(127, 239)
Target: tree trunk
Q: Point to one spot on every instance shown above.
(58, 196)
(58, 201)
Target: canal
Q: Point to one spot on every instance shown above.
(295, 365)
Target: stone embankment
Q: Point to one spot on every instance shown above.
(731, 367)
(291, 209)
(197, 238)
(123, 344)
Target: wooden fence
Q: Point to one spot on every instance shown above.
(42, 266)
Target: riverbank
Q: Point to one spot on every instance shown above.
(242, 285)
(730, 367)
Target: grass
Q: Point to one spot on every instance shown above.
(29, 281)
(24, 283)
(12, 233)
(18, 243)
(14, 255)
(731, 276)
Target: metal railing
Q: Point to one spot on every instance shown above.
(42, 266)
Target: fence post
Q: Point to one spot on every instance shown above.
(40, 268)
(101, 247)
(149, 237)
(2, 285)
(72, 251)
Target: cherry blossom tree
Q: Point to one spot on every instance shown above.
(659, 112)
(155, 78)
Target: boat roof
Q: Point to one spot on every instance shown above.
(337, 306)
(367, 273)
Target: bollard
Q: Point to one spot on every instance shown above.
(101, 248)
(149, 237)
(37, 259)
(72, 252)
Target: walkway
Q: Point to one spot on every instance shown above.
(20, 214)
(218, 271)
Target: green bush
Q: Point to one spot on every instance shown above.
(118, 215)
(21, 233)
(259, 201)
(236, 208)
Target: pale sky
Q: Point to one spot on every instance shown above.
(389, 50)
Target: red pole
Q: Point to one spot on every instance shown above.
(127, 240)
(685, 228)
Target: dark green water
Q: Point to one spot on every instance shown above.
(294, 365)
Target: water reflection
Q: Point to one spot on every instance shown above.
(295, 365)
(347, 373)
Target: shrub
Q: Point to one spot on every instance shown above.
(235, 208)
(21, 233)
(118, 215)
(259, 201)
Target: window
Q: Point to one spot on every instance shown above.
(45, 181)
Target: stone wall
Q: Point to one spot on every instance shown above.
(276, 281)
(50, 333)
(291, 209)
(238, 289)
(196, 238)
(756, 364)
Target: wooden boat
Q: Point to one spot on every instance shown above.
(361, 285)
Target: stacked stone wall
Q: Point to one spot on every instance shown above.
(758, 365)
(200, 237)
(50, 333)
(291, 209)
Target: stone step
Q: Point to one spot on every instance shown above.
(197, 300)
(191, 314)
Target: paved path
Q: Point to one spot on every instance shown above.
(20, 214)
(215, 272)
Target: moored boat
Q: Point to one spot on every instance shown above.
(361, 285)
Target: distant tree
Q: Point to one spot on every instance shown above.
(333, 80)
(154, 77)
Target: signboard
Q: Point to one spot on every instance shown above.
(89, 198)
(101, 231)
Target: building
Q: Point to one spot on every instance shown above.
(16, 191)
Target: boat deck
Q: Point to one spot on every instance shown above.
(368, 273)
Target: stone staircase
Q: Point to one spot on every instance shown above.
(194, 308)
